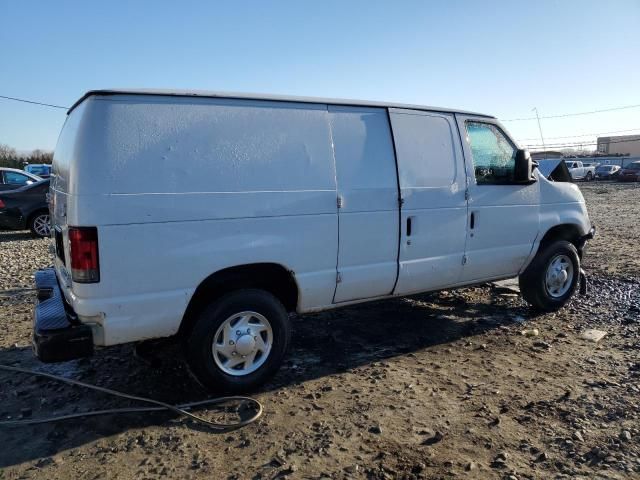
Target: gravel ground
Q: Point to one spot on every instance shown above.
(435, 386)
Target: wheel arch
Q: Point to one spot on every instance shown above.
(272, 277)
(570, 232)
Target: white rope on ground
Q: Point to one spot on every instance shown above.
(180, 410)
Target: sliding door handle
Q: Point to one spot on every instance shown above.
(409, 226)
(472, 221)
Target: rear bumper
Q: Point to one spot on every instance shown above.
(57, 334)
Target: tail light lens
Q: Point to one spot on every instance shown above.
(83, 246)
(1, 203)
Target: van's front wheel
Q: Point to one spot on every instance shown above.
(552, 277)
(239, 341)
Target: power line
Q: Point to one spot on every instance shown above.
(33, 102)
(577, 144)
(572, 114)
(585, 135)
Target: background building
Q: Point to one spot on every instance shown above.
(621, 144)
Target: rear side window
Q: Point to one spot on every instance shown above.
(14, 178)
(494, 156)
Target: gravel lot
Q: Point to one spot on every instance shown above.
(435, 386)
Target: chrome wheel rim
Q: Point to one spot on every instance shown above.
(559, 276)
(242, 343)
(41, 225)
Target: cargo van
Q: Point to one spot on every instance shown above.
(211, 217)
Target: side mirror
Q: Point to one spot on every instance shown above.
(524, 167)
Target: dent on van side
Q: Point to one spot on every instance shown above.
(209, 217)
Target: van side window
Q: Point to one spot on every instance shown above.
(494, 156)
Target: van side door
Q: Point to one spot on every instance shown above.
(503, 216)
(434, 210)
(367, 200)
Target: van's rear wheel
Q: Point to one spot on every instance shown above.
(552, 277)
(239, 341)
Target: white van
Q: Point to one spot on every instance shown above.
(210, 217)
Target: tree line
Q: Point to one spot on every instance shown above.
(9, 157)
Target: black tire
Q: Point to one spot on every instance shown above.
(589, 176)
(36, 227)
(533, 280)
(200, 340)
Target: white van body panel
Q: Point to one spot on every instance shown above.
(560, 204)
(368, 199)
(182, 186)
(270, 190)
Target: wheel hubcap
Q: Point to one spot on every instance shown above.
(559, 276)
(41, 225)
(242, 343)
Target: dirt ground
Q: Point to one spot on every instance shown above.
(436, 386)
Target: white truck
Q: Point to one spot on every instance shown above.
(580, 171)
(210, 217)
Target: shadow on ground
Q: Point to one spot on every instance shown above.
(13, 235)
(323, 344)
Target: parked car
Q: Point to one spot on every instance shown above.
(26, 208)
(579, 171)
(210, 217)
(630, 173)
(42, 170)
(607, 172)
(12, 178)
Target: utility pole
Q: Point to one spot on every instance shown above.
(540, 128)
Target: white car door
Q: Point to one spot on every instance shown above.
(503, 217)
(434, 210)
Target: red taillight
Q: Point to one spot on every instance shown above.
(83, 246)
(1, 203)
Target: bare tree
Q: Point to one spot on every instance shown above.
(9, 157)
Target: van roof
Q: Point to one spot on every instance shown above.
(260, 96)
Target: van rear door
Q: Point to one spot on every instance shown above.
(60, 190)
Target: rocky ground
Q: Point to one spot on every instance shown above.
(458, 384)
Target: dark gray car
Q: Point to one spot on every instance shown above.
(11, 178)
(25, 208)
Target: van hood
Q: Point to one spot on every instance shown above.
(554, 169)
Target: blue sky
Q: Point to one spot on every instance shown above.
(498, 57)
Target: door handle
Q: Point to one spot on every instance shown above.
(472, 221)
(408, 226)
